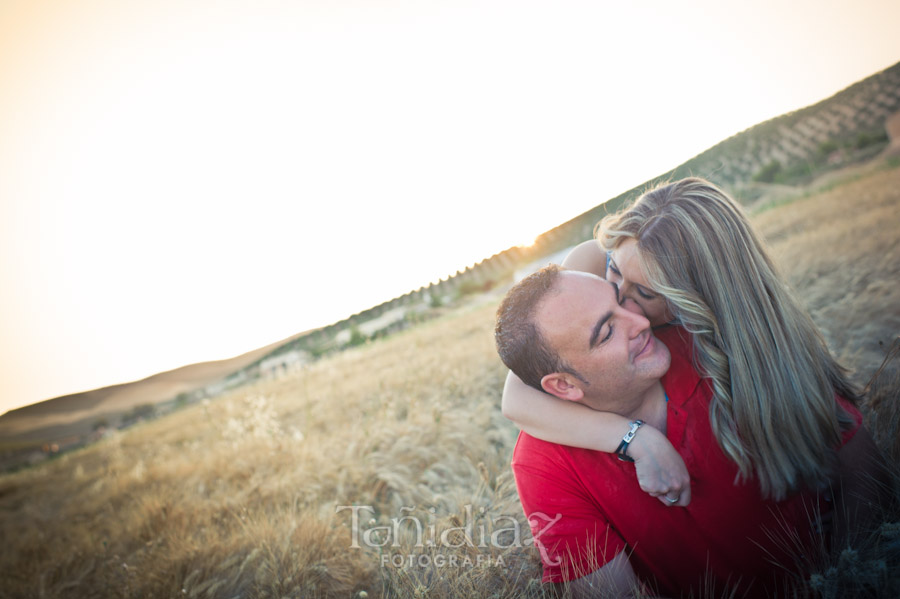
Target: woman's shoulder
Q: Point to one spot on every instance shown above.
(587, 256)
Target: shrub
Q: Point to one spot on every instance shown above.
(865, 139)
(768, 172)
(825, 148)
(356, 337)
(140, 412)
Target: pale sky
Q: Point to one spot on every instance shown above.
(188, 181)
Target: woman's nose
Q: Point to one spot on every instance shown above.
(626, 290)
(638, 317)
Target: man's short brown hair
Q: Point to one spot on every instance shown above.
(520, 343)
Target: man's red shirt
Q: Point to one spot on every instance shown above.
(585, 507)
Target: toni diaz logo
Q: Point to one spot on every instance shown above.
(504, 532)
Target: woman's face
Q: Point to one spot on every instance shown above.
(624, 269)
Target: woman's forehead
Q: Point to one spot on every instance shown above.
(627, 256)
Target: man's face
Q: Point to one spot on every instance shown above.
(608, 344)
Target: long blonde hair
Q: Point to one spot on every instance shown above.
(773, 410)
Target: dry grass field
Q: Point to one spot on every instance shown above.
(297, 487)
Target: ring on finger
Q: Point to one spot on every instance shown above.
(670, 500)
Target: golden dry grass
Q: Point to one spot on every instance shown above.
(840, 249)
(240, 497)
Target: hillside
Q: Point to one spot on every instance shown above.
(68, 418)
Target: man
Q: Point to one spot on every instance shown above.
(568, 333)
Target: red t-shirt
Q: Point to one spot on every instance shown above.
(584, 507)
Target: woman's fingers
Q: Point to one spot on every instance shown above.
(674, 490)
(684, 498)
(660, 469)
(679, 496)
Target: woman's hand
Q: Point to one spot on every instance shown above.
(660, 470)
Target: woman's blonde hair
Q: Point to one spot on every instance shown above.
(773, 410)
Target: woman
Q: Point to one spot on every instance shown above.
(685, 253)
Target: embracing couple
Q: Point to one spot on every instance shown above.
(700, 437)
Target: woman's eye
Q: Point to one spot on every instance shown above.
(645, 295)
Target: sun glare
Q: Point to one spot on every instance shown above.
(527, 243)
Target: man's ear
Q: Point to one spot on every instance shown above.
(562, 385)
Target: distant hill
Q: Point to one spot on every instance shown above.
(73, 416)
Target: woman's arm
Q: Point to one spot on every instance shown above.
(660, 469)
